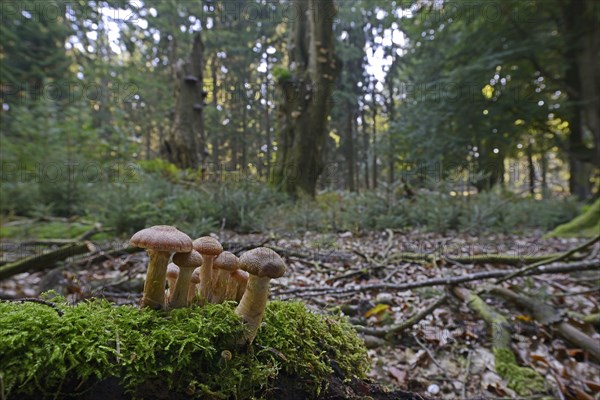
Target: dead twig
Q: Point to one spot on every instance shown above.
(37, 301)
(432, 358)
(388, 333)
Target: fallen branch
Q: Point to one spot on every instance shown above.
(101, 256)
(434, 258)
(475, 259)
(388, 333)
(593, 319)
(577, 266)
(46, 260)
(522, 379)
(548, 315)
(558, 257)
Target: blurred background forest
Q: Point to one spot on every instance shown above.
(430, 114)
(387, 150)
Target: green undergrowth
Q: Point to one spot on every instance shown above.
(185, 350)
(46, 230)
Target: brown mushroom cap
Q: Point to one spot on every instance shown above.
(191, 259)
(226, 261)
(195, 279)
(162, 238)
(262, 262)
(207, 245)
(172, 271)
(240, 276)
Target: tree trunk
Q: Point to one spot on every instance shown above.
(215, 139)
(365, 135)
(374, 180)
(582, 35)
(531, 169)
(307, 88)
(183, 142)
(349, 149)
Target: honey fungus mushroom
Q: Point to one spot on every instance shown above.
(209, 248)
(159, 241)
(172, 274)
(224, 265)
(262, 264)
(237, 287)
(187, 263)
(194, 281)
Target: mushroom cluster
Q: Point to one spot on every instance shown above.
(200, 272)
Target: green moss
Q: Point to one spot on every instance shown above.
(523, 380)
(282, 74)
(586, 224)
(42, 352)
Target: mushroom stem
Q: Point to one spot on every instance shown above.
(154, 287)
(206, 279)
(232, 287)
(194, 281)
(253, 303)
(179, 296)
(241, 287)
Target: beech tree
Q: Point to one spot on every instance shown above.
(306, 97)
(183, 144)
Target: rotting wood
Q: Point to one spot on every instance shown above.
(550, 316)
(45, 260)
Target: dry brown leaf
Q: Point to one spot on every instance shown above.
(398, 374)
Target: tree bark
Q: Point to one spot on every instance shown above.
(548, 315)
(46, 260)
(183, 143)
(307, 88)
(582, 36)
(349, 147)
(374, 168)
(531, 170)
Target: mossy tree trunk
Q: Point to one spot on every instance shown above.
(306, 88)
(184, 143)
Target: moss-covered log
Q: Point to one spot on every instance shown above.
(550, 316)
(45, 260)
(96, 348)
(523, 380)
(585, 225)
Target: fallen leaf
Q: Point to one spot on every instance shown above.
(377, 310)
(398, 374)
(523, 318)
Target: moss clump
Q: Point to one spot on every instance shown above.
(282, 74)
(523, 380)
(585, 225)
(184, 351)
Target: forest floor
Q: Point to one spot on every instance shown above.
(448, 354)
